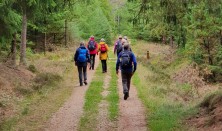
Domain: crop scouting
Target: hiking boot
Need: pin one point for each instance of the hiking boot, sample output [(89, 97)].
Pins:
[(85, 83), (81, 84), (126, 95)]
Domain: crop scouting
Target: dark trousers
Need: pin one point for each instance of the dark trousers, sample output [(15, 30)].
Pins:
[(82, 73), (117, 54), (104, 65), (126, 78), (92, 61)]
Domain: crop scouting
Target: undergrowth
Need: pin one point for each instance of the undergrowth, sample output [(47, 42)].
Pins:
[(45, 94)]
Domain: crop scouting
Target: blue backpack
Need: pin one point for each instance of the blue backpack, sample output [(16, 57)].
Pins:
[(91, 45), (125, 59), (82, 55)]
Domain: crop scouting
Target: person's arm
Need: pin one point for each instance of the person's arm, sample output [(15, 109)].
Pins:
[(87, 46), (87, 56), (114, 50), (134, 63), (117, 63), (107, 47), (98, 48)]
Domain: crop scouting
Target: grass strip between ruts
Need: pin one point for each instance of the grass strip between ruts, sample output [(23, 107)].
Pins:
[(92, 99), (113, 97)]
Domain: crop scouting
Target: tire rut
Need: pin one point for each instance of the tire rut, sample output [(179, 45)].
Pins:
[(131, 111), (68, 116), (104, 124)]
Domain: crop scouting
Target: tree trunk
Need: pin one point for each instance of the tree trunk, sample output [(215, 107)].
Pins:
[(164, 39), (45, 44), (171, 41), (220, 37), (0, 49), (65, 33), (13, 49), (23, 39), (210, 59)]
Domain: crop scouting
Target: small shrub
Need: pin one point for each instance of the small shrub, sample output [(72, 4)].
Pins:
[(53, 57), (29, 52), (32, 68), (2, 104), (23, 90), (186, 87), (25, 111), (46, 79), (211, 100)]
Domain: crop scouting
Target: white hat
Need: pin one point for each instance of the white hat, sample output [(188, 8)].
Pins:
[(102, 40)]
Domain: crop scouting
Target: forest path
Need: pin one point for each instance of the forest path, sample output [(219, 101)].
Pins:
[(68, 116), (131, 116)]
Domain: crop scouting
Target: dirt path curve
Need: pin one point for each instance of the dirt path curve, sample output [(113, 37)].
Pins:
[(68, 116), (131, 111)]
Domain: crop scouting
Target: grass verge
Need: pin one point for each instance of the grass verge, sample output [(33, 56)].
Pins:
[(47, 95), (165, 108), (163, 114)]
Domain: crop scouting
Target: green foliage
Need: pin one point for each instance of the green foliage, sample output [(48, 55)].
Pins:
[(94, 21), (194, 25), (218, 58)]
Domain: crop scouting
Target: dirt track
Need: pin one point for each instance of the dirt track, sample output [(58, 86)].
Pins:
[(131, 111)]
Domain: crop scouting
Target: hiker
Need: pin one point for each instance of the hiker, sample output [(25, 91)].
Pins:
[(92, 47), (81, 58), (125, 37), (103, 49), (127, 62), (118, 46)]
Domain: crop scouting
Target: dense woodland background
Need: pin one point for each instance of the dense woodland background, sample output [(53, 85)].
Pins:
[(180, 85), (194, 27)]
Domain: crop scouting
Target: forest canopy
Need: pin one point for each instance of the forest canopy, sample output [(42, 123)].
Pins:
[(192, 26)]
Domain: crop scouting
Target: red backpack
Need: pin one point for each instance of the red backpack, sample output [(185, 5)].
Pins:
[(103, 48)]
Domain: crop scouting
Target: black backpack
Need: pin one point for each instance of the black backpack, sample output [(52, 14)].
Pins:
[(119, 46), (91, 45), (125, 59)]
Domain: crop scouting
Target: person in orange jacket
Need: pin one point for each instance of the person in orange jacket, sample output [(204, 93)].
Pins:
[(103, 55)]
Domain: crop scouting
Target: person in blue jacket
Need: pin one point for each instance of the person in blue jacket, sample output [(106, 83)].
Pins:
[(127, 62), (81, 58)]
